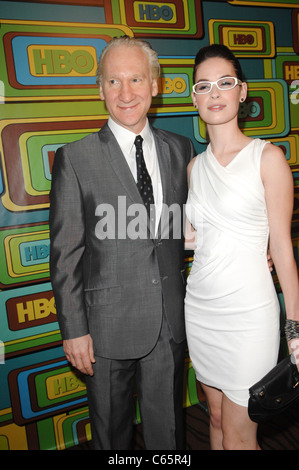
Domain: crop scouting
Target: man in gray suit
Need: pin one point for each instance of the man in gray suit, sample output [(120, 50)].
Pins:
[(119, 280)]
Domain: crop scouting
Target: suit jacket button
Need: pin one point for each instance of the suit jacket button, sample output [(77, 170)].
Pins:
[(155, 281)]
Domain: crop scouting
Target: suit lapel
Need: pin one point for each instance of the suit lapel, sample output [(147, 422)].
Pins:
[(164, 159), (119, 165), (163, 154), (123, 172)]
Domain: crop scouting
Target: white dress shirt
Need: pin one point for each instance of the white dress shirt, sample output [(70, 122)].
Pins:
[(125, 139)]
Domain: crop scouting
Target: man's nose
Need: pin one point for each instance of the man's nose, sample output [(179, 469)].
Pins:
[(126, 91)]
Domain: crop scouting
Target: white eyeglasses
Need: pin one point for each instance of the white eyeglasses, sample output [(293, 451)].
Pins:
[(225, 83)]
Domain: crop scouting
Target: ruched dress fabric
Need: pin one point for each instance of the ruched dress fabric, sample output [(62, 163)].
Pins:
[(231, 306)]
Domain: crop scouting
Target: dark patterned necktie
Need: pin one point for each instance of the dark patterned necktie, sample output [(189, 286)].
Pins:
[(144, 182)]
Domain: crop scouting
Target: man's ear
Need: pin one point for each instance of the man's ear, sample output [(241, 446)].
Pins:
[(155, 87), (101, 93)]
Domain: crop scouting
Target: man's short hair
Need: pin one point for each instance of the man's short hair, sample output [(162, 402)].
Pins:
[(130, 42)]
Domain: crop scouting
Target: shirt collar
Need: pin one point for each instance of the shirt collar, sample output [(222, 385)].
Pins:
[(126, 137)]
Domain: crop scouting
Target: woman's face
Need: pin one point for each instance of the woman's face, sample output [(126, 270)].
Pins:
[(218, 106)]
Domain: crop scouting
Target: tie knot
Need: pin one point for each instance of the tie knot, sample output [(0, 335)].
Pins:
[(138, 142)]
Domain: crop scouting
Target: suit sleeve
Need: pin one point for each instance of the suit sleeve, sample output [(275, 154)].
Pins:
[(67, 235), (193, 153)]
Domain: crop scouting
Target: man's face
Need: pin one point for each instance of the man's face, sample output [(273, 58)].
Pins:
[(127, 86)]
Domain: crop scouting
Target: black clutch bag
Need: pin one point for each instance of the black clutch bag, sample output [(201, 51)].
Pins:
[(275, 391)]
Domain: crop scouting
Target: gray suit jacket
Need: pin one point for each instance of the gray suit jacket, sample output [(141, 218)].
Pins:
[(115, 288)]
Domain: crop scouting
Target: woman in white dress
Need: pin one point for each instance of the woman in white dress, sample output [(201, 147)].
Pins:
[(240, 197)]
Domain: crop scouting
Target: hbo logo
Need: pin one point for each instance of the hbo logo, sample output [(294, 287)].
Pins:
[(155, 13)]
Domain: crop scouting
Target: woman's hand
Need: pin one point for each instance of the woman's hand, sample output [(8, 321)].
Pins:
[(294, 349)]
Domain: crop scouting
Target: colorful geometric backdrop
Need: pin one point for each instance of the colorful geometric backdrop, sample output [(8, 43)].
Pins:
[(48, 97)]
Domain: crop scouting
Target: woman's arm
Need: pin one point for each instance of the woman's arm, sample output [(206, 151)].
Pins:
[(279, 193)]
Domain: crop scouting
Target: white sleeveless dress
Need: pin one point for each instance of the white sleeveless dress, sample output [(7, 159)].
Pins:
[(231, 306)]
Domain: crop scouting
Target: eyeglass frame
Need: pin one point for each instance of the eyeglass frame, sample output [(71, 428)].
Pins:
[(237, 82)]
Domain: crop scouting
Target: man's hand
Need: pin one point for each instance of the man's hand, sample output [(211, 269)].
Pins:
[(79, 352)]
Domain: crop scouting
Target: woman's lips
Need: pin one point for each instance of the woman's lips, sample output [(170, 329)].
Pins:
[(216, 107)]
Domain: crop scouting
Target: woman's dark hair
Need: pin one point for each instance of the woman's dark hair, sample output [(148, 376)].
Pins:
[(217, 50)]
